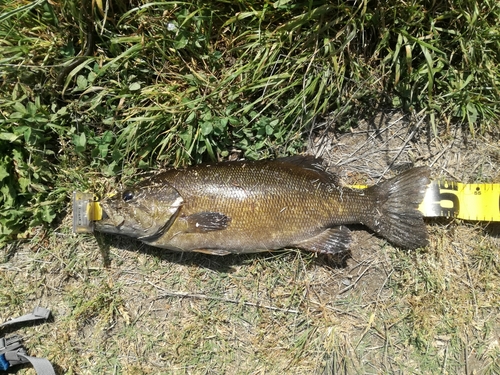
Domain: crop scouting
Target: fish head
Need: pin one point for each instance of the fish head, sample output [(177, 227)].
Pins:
[(140, 212)]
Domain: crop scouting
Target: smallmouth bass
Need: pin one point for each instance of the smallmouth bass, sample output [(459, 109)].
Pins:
[(253, 206)]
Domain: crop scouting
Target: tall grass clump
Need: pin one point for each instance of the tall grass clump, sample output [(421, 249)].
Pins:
[(443, 56), (110, 87)]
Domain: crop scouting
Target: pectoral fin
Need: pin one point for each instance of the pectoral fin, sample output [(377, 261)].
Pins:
[(203, 222), (331, 241)]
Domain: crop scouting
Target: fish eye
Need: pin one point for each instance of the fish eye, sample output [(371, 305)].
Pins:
[(127, 195)]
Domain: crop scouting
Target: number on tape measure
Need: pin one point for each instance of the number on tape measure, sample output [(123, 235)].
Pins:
[(464, 201)]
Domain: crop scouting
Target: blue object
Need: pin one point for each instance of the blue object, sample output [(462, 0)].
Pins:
[(12, 348), (4, 364)]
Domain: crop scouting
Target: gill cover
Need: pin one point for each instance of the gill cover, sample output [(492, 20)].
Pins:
[(142, 212)]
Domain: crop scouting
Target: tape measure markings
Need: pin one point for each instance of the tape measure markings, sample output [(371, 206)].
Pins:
[(478, 202)]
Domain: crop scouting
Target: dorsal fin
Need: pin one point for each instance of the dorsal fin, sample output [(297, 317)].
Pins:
[(311, 164), (304, 161)]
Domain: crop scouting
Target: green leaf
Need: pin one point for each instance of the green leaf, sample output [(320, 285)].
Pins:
[(3, 172), (430, 69), (25, 8), (207, 116), (81, 82), (109, 170), (206, 128), (143, 164), (31, 109), (9, 196), (181, 41), (117, 155), (472, 112), (103, 150), (191, 117), (80, 142), (210, 150), (16, 115), (27, 134), (91, 77), (9, 137), (107, 137), (134, 86), (48, 214), (62, 111), (19, 107), (24, 184)]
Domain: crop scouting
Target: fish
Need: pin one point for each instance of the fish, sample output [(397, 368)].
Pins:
[(255, 206)]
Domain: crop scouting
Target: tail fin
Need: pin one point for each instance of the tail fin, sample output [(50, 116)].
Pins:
[(396, 216)]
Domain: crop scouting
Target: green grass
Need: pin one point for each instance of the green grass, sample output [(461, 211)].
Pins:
[(178, 83)]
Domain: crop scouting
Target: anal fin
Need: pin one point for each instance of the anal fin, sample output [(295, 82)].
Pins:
[(331, 241), (219, 252)]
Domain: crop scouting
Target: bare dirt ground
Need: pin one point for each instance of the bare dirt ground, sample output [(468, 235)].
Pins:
[(122, 307)]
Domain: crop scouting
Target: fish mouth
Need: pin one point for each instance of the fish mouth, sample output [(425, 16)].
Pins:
[(108, 223)]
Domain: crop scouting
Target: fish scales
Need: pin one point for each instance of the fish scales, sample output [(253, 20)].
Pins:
[(240, 207)]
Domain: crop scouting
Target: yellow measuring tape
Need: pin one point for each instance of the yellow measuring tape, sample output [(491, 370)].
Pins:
[(479, 202)]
